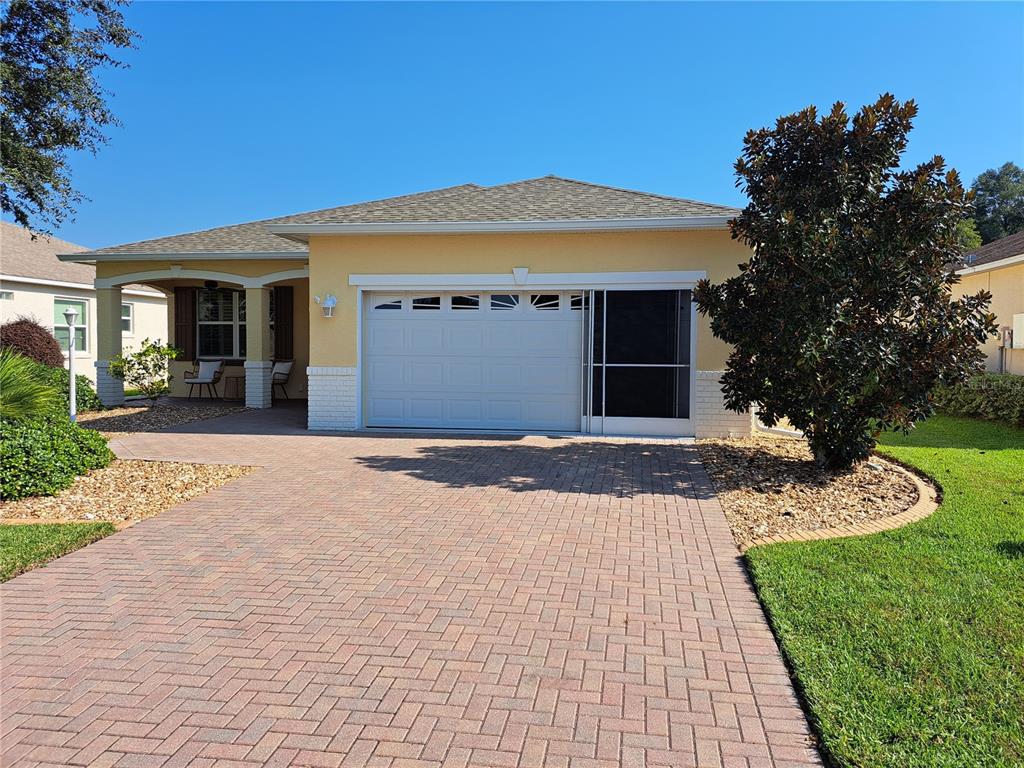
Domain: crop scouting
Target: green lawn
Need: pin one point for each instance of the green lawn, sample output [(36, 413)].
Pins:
[(909, 645), (26, 546)]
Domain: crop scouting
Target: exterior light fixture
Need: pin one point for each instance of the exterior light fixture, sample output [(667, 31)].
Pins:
[(327, 304), (71, 317)]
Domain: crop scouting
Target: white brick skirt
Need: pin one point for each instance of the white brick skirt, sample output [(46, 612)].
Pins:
[(333, 397), (333, 403), (712, 417), (109, 389)]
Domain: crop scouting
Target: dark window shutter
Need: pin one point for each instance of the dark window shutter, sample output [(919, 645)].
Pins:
[(284, 309), (185, 322)]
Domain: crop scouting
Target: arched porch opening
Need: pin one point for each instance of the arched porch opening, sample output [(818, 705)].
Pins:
[(247, 321)]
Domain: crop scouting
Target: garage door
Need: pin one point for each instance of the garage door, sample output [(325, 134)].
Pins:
[(509, 360)]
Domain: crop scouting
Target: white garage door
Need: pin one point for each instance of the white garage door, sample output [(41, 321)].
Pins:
[(472, 360)]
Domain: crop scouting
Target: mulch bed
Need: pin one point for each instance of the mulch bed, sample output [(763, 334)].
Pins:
[(769, 485), (124, 492), (151, 418)]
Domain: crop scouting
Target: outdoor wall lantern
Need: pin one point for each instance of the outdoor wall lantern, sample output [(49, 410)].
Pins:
[(71, 317), (327, 304)]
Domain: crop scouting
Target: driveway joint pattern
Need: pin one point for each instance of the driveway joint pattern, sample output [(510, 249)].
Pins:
[(403, 600)]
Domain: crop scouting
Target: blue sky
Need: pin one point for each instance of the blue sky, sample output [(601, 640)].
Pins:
[(239, 111)]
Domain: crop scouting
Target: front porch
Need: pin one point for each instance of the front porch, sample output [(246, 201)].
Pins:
[(244, 322)]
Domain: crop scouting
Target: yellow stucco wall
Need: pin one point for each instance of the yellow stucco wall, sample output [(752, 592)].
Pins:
[(334, 258), (1006, 285)]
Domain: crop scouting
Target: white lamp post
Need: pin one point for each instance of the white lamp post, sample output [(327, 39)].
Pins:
[(70, 316)]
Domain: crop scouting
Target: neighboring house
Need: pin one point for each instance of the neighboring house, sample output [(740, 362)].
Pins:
[(541, 305), (998, 268), (35, 283)]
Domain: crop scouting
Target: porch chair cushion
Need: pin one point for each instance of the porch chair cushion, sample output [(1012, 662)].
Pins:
[(209, 372), (281, 371)]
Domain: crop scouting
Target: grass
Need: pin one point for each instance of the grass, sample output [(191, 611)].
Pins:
[(23, 547), (908, 646)]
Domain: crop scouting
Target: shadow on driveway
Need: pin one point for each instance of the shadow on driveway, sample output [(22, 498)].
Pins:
[(624, 470)]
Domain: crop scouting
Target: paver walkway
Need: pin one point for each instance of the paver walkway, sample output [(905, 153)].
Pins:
[(403, 600)]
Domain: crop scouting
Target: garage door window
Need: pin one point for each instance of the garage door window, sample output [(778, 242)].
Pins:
[(388, 304), (504, 301), (466, 302), (545, 301), (426, 302)]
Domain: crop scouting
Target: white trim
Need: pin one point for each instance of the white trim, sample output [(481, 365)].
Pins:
[(639, 425), (63, 284), (360, 410), (998, 264), (87, 326), (130, 318), (301, 232), (176, 272), (589, 423), (88, 257), (668, 280)]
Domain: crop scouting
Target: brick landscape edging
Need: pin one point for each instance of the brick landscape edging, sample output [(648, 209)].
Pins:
[(927, 502)]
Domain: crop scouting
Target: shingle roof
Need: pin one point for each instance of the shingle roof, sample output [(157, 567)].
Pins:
[(253, 236), (1003, 248), (21, 256), (549, 198)]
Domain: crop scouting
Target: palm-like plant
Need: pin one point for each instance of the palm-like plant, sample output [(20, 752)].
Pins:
[(22, 394)]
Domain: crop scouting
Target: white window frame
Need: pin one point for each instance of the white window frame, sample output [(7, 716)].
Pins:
[(520, 296), (6, 295), (83, 322), (450, 302), (238, 327), (130, 318)]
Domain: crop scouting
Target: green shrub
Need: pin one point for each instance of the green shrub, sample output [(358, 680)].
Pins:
[(85, 395), (40, 457), (147, 370), (992, 396), (22, 394)]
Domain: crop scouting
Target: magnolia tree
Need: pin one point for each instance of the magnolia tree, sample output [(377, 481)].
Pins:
[(148, 369), (843, 320)]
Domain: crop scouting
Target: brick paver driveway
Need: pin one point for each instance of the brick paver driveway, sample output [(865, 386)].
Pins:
[(396, 600)]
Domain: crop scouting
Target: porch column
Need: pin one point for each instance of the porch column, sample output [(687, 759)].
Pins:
[(108, 345), (258, 392)]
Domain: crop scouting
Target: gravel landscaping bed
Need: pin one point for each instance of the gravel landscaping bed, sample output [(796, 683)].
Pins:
[(769, 485), (124, 492), (151, 418)]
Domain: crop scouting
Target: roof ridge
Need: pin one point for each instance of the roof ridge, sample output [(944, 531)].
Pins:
[(655, 195), (594, 185), (278, 219)]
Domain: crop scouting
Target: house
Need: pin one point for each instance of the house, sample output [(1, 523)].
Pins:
[(541, 305), (998, 268), (35, 283)]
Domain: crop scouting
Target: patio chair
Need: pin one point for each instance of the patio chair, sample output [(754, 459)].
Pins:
[(279, 376), (208, 374)]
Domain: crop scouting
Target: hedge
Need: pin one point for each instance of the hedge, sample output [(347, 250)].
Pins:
[(85, 395), (992, 396), (40, 457)]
